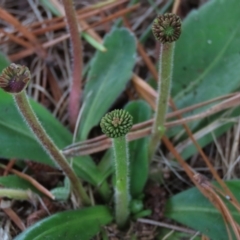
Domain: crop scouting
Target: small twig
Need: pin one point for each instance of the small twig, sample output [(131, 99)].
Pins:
[(166, 225), (35, 44), (15, 218), (143, 129), (31, 180)]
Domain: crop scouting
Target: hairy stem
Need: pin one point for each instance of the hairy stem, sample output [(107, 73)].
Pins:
[(15, 194), (28, 114), (164, 81), (122, 196), (76, 87)]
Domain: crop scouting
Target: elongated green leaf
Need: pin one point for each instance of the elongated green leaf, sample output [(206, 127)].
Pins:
[(194, 210), (106, 164), (138, 149), (108, 76), (86, 168), (62, 193), (17, 141), (49, 5), (73, 225), (207, 56)]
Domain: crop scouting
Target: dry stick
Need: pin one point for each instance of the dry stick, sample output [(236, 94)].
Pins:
[(230, 102), (12, 20), (37, 29), (166, 225), (206, 160), (27, 52), (9, 167), (224, 210), (76, 86), (113, 16), (31, 180), (176, 6), (16, 39), (144, 90), (101, 143), (14, 217), (205, 191), (60, 25)]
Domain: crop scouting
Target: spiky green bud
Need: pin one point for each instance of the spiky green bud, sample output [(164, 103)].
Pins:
[(14, 78), (116, 123), (167, 28)]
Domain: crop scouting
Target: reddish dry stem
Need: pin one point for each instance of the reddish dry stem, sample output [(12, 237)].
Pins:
[(76, 86)]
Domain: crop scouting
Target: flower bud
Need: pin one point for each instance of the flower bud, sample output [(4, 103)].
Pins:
[(116, 123), (167, 28), (14, 78)]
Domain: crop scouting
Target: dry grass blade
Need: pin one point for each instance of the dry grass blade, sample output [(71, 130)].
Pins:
[(145, 91), (113, 16), (14, 217), (16, 39), (57, 23), (26, 33), (86, 28), (166, 225), (205, 158), (9, 167), (219, 204), (101, 143)]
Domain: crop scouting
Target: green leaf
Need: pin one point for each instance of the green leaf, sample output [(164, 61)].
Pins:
[(17, 141), (50, 6), (106, 166), (62, 193), (107, 78), (86, 168), (92, 41), (207, 56), (138, 149), (191, 208), (77, 224), (15, 182)]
